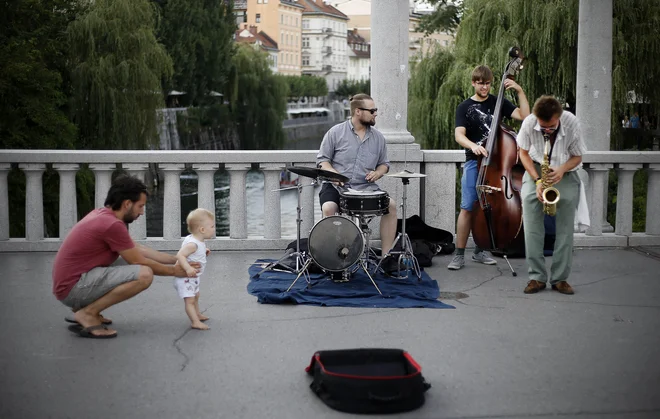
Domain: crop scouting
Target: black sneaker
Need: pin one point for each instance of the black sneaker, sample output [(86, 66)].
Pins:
[(389, 265)]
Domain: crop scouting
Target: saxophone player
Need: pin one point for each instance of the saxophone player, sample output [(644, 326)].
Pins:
[(550, 125)]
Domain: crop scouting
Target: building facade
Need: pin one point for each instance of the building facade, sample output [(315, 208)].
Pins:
[(324, 48), (281, 20), (261, 40), (359, 56)]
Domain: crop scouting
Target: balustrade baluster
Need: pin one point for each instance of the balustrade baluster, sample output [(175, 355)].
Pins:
[(172, 201), (307, 199), (272, 204), (4, 201), (624, 198), (439, 199), (138, 228), (206, 186), (102, 181), (34, 200), (597, 180), (653, 200), (237, 200), (68, 197)]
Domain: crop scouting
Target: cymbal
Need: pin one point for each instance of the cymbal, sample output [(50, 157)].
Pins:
[(318, 173), (406, 174)]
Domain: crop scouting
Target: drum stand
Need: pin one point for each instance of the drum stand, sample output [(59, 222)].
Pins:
[(302, 260), (405, 254), (364, 260)]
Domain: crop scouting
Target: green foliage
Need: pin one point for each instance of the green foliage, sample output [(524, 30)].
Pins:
[(32, 87), (446, 17), (258, 101), (304, 86), (207, 127), (117, 67), (347, 88), (547, 34), (198, 36)]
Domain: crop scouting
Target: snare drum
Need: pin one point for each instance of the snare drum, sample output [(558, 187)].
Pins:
[(335, 243), (364, 202)]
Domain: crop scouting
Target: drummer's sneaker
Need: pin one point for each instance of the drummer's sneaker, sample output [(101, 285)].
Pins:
[(457, 262), (483, 257)]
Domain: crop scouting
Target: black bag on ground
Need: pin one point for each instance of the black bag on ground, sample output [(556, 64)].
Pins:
[(304, 247), (368, 380)]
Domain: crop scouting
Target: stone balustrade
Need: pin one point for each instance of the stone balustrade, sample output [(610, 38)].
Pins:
[(432, 197)]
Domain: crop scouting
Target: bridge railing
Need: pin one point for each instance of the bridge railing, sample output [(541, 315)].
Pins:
[(433, 197)]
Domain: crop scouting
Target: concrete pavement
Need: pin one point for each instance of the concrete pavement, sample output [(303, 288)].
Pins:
[(499, 354)]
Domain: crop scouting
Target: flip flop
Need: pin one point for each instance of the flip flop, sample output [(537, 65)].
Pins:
[(103, 320), (86, 332)]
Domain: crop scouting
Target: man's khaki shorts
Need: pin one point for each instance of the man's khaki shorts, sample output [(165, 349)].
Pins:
[(98, 282)]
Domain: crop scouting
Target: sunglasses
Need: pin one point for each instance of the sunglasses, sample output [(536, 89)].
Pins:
[(372, 110)]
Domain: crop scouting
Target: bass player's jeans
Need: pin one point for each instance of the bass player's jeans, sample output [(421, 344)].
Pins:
[(562, 256)]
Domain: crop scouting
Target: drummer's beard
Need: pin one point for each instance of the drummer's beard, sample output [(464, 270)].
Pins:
[(369, 122)]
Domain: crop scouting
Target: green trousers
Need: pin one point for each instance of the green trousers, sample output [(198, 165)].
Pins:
[(562, 256)]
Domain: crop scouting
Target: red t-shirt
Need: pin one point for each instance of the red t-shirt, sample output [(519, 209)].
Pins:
[(95, 241)]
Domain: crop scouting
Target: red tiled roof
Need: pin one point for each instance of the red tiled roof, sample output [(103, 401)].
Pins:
[(265, 41), (319, 7)]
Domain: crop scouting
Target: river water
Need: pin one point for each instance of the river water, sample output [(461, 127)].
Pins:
[(255, 205)]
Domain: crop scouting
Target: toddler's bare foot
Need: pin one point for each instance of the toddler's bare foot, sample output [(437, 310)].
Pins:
[(202, 317), (199, 326)]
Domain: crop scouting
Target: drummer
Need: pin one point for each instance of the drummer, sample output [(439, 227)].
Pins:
[(358, 151)]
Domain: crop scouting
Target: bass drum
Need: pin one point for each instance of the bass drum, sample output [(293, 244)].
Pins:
[(335, 243)]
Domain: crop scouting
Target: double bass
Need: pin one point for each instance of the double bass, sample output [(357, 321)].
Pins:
[(497, 219)]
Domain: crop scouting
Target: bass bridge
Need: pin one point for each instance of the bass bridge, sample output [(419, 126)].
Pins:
[(488, 189)]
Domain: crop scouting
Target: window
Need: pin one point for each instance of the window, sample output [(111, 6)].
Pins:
[(305, 42), (305, 61), (282, 19), (305, 23), (282, 38), (296, 22), (259, 1), (258, 18)]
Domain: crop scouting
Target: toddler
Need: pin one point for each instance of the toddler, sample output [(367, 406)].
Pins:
[(201, 225)]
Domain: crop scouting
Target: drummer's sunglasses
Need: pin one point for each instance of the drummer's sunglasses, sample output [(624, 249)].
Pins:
[(373, 110)]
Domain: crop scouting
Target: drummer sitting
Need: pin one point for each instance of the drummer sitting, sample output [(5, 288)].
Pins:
[(358, 151)]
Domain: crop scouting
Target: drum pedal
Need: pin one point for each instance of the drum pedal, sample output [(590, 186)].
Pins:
[(342, 276)]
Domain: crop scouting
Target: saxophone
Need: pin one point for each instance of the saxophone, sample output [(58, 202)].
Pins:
[(550, 193)]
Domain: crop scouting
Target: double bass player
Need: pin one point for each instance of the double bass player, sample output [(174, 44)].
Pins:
[(473, 122)]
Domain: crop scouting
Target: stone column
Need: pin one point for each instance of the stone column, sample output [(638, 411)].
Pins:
[(172, 200), (138, 228), (103, 180), (34, 200), (389, 61), (237, 200), (598, 181), (272, 203), (624, 198), (4, 201), (653, 200), (206, 186), (594, 77), (68, 198)]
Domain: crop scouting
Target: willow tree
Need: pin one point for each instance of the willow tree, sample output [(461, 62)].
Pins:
[(547, 34), (198, 37), (257, 100), (116, 67)]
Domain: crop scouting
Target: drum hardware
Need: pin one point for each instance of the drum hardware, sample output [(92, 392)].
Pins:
[(302, 259), (405, 254), (318, 174)]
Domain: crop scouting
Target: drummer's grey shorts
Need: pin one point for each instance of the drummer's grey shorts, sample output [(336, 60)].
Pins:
[(98, 282)]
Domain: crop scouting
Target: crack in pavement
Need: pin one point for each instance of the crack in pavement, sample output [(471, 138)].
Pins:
[(186, 358), (488, 280), (476, 305), (600, 280)]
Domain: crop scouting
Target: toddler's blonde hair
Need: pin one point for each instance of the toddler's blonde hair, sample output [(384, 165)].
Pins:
[(196, 216)]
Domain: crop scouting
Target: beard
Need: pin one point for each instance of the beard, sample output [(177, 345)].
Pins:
[(370, 122), (128, 218)]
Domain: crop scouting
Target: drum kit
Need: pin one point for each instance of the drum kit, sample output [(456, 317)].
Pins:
[(339, 244)]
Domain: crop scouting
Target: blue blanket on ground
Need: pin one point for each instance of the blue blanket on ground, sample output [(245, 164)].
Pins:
[(270, 288)]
